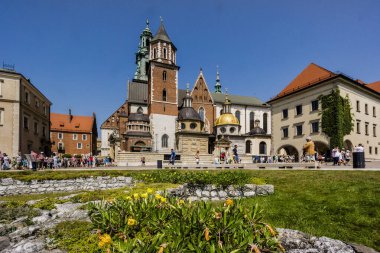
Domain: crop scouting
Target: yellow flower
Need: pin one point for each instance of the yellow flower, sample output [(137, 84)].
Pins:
[(181, 202), (144, 195), (163, 200), (158, 196), (150, 190), (207, 234), (136, 195), (218, 215), (104, 240), (128, 198), (229, 202), (131, 222)]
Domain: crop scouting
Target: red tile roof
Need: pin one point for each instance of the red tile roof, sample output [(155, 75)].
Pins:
[(374, 86), (62, 122), (312, 74)]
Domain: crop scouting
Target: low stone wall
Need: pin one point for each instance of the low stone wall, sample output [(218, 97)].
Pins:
[(9, 186), (214, 193)]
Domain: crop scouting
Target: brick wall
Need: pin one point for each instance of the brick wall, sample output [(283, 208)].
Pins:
[(70, 145)]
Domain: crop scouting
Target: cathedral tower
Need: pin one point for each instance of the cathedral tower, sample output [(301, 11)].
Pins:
[(142, 55), (163, 89)]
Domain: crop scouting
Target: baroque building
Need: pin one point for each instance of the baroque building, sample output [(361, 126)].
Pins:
[(158, 116)]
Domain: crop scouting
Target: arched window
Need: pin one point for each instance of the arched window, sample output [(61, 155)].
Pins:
[(164, 75), (164, 141), (248, 147), (251, 120), (202, 113), (164, 95), (154, 53), (263, 148), (221, 111), (265, 122), (237, 115), (164, 53)]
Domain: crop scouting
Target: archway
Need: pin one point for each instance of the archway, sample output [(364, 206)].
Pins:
[(321, 147), (289, 150), (262, 148), (248, 147), (348, 145), (140, 144)]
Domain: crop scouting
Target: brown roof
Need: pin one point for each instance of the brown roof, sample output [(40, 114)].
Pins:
[(62, 122), (374, 86), (122, 111), (312, 74)]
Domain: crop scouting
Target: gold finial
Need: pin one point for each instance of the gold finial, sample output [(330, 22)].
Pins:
[(187, 86), (147, 22)]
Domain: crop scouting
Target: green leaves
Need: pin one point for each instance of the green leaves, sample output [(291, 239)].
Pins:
[(181, 226)]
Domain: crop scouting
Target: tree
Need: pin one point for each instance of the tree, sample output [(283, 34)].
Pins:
[(337, 120)]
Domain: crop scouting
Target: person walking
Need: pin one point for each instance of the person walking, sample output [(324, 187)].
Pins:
[(172, 157), (309, 149), (197, 157), (5, 165), (235, 153), (336, 155)]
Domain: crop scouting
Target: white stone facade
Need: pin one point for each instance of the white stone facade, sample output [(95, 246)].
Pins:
[(163, 125)]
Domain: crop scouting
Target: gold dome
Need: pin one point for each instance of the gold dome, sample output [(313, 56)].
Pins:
[(227, 119)]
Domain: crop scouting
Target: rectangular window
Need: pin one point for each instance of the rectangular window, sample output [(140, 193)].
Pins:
[(285, 113), (314, 105), (375, 150), (79, 145), (374, 130), (1, 116), (298, 130), (45, 111), (315, 127), (366, 128), (43, 131), (26, 97), (37, 102), (75, 137), (60, 146), (60, 136), (1, 87), (357, 105), (84, 137), (370, 150), (285, 132), (26, 122), (374, 111), (366, 109), (298, 109), (35, 128), (358, 126)]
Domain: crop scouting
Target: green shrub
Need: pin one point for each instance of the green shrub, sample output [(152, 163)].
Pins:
[(152, 223), (75, 237), (67, 156)]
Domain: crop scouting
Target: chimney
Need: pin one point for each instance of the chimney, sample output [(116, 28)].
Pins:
[(70, 116)]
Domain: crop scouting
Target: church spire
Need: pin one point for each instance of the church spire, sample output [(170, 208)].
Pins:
[(187, 100), (227, 104), (218, 85), (142, 55)]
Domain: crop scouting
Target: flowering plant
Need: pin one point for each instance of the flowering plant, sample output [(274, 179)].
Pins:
[(156, 223)]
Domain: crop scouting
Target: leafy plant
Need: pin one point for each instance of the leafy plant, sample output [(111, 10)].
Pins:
[(153, 223)]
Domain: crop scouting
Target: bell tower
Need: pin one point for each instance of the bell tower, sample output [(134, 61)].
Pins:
[(163, 89)]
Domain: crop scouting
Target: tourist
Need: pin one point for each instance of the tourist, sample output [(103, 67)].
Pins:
[(336, 155), (19, 161), (197, 157), (33, 156), (309, 149), (5, 164), (360, 148), (142, 161), (172, 157), (235, 153), (347, 156)]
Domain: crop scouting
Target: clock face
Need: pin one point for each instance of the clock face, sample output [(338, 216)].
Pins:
[(223, 130)]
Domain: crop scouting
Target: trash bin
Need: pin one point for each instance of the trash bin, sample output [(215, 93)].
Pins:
[(159, 164), (358, 160)]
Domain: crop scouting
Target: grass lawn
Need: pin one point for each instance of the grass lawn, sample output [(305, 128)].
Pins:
[(344, 205)]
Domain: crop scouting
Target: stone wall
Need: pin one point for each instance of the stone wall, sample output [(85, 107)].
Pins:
[(9, 186), (214, 193)]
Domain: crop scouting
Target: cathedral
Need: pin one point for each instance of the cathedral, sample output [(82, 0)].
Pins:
[(158, 116)]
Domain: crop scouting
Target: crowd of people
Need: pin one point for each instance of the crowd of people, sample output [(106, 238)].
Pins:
[(40, 161)]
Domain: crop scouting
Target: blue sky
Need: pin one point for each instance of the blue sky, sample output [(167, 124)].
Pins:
[(80, 53)]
